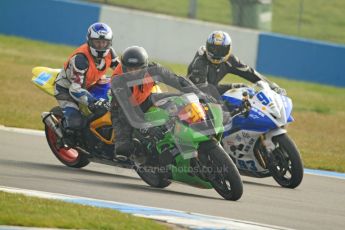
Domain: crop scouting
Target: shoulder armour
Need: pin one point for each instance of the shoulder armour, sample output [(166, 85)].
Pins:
[(153, 64), (80, 62), (202, 50)]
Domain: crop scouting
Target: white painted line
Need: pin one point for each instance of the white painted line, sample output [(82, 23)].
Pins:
[(185, 219), (21, 130)]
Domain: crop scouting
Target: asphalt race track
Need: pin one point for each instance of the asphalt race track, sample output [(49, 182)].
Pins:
[(318, 203)]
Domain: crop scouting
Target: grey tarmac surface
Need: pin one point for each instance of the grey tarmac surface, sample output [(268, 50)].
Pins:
[(318, 203)]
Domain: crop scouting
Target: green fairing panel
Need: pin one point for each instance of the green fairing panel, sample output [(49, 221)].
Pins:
[(182, 173), (187, 139), (157, 116), (185, 134), (217, 113), (167, 141)]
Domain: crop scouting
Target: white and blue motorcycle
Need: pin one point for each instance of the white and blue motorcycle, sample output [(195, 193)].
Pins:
[(257, 141)]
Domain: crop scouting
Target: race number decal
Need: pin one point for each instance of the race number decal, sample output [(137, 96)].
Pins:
[(262, 97)]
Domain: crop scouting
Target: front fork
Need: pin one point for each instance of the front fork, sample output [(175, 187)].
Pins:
[(267, 138), (268, 146)]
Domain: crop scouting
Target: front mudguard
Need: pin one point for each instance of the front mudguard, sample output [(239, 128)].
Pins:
[(267, 140)]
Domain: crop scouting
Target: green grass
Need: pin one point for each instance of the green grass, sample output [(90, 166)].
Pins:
[(320, 19), (319, 110), (21, 103), (206, 9), (20, 210)]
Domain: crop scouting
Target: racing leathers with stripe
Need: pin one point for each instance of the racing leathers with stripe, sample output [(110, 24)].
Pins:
[(204, 74), (81, 71)]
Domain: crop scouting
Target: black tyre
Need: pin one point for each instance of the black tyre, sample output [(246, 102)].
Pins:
[(152, 177), (286, 164), (149, 171), (69, 157), (221, 171)]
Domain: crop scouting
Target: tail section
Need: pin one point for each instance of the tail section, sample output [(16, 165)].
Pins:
[(44, 78)]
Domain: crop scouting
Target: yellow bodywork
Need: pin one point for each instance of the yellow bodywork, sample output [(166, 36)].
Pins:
[(105, 120), (44, 78)]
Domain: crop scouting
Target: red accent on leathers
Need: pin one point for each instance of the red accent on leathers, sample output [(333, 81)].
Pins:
[(93, 74)]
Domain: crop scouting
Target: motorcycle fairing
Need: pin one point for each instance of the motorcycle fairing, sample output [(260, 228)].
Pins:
[(239, 145), (44, 78), (101, 89), (288, 108), (171, 107), (103, 122), (272, 109)]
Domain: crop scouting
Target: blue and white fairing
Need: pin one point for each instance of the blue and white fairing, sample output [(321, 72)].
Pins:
[(269, 110), (268, 115)]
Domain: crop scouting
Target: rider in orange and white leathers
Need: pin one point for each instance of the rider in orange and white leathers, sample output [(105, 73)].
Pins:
[(84, 67)]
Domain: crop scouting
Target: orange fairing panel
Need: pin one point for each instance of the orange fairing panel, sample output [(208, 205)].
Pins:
[(105, 120)]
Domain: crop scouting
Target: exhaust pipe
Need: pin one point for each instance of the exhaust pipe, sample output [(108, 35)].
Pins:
[(49, 119)]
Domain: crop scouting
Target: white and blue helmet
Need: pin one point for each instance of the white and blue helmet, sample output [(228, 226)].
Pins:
[(218, 47), (99, 38)]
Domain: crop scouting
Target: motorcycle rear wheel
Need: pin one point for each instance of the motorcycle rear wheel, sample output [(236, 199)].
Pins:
[(287, 168), (150, 173), (224, 177), (69, 157)]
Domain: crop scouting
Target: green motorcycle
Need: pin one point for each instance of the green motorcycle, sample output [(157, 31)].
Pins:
[(187, 148)]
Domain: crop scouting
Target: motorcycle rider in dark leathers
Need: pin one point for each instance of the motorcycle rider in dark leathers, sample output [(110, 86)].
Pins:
[(213, 61)]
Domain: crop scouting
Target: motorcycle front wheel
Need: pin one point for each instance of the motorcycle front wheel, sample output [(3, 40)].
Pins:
[(222, 172), (286, 165), (68, 156)]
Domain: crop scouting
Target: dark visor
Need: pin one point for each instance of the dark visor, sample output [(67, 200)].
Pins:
[(217, 51)]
